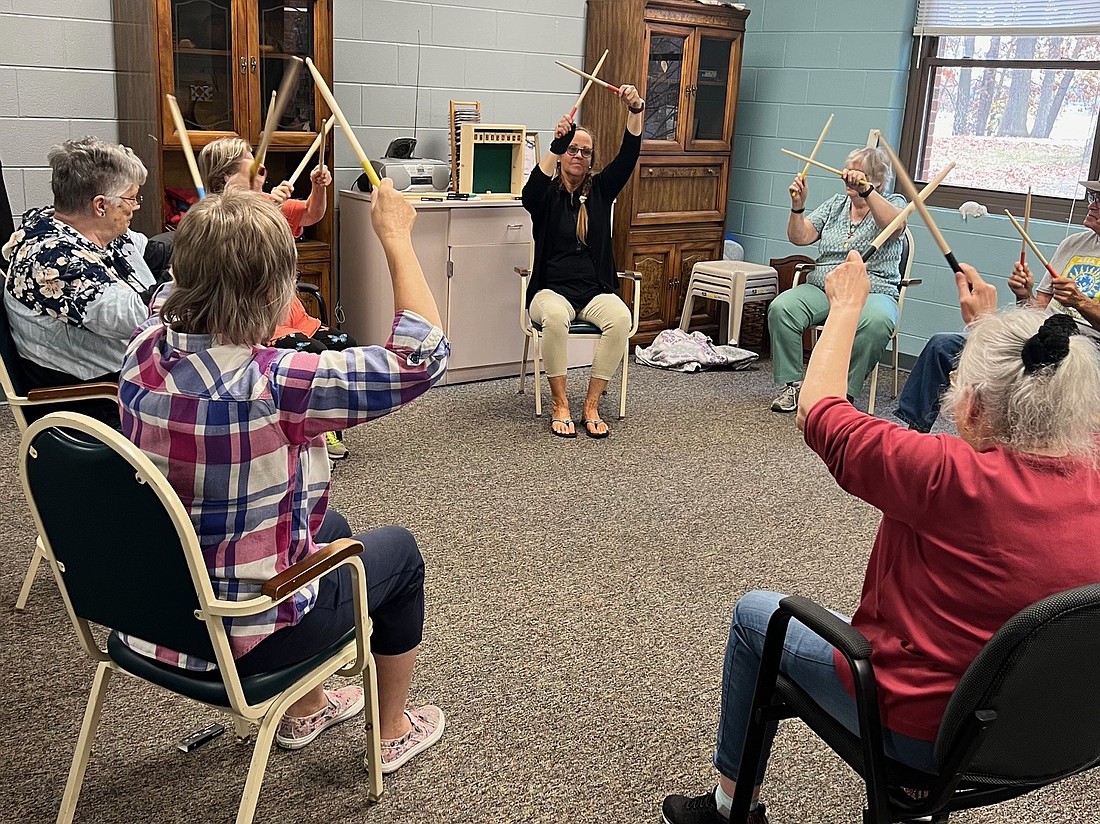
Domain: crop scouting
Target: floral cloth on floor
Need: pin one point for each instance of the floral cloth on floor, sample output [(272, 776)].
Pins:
[(684, 352)]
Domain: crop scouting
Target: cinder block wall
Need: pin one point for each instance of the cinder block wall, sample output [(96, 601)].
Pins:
[(500, 52), (56, 82)]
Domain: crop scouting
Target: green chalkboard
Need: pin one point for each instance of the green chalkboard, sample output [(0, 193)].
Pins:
[(492, 168)]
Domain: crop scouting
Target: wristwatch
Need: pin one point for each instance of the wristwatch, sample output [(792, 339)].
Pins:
[(638, 110), (866, 193)]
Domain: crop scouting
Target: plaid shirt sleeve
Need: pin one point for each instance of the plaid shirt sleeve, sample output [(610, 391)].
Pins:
[(318, 393)]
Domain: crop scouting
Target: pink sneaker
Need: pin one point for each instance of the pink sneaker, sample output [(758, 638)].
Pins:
[(295, 733), (427, 728)]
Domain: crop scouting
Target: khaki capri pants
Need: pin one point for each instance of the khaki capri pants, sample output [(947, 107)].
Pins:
[(554, 314)]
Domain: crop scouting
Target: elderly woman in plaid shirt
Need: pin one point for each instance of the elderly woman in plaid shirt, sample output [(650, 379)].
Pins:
[(238, 430)]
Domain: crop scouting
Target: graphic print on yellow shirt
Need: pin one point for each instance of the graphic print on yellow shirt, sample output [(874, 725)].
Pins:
[(1083, 270)]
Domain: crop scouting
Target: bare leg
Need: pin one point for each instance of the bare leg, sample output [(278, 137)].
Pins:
[(560, 401), (394, 676), (596, 386)]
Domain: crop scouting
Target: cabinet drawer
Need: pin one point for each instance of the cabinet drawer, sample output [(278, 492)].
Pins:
[(672, 190), (473, 226)]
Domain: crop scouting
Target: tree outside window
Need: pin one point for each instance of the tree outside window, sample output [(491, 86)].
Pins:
[(1011, 111)]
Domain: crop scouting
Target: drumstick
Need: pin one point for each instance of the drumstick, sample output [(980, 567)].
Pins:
[(326, 93), (820, 140), (587, 86), (588, 76), (258, 158), (1027, 223), (893, 225), (910, 191), (318, 142), (810, 161), (1031, 243), (275, 111), (185, 142)]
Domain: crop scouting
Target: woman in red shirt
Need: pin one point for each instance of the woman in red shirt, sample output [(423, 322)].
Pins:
[(974, 528)]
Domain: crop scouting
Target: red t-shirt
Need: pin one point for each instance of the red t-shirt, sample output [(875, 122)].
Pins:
[(967, 540)]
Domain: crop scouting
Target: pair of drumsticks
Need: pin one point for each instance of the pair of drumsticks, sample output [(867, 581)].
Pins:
[(275, 110)]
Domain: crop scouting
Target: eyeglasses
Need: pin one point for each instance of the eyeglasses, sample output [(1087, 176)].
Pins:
[(1091, 197), (583, 151), (136, 199)]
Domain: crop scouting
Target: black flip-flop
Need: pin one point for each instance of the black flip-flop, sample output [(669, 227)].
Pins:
[(595, 422), (567, 422)]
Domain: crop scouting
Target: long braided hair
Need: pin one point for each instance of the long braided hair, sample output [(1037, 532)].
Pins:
[(582, 191)]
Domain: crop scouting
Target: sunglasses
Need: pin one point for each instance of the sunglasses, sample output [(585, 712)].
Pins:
[(1091, 197)]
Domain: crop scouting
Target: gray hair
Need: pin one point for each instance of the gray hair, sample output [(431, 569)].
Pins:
[(875, 164), (1055, 408), (88, 167), (234, 266)]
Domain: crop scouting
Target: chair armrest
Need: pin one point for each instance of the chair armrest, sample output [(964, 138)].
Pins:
[(634, 276), (911, 282), (311, 568), (799, 270), (522, 271), (312, 288), (74, 392), (837, 632)]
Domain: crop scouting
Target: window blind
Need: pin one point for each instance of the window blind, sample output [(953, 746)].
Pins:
[(1007, 17)]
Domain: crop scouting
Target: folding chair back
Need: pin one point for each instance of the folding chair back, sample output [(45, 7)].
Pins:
[(117, 532)]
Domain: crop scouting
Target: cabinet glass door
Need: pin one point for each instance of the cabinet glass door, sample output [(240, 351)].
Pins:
[(286, 30), (665, 73), (711, 92), (204, 76)]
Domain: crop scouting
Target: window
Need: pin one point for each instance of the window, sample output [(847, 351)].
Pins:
[(1014, 103)]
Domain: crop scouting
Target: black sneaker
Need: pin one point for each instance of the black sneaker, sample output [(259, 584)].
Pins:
[(702, 809)]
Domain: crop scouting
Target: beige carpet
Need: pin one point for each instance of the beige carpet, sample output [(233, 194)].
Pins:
[(579, 597)]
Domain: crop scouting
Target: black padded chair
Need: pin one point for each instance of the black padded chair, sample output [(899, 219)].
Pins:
[(126, 557), (28, 404), (1023, 715)]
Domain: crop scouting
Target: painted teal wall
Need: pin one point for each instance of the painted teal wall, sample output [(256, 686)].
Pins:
[(805, 59)]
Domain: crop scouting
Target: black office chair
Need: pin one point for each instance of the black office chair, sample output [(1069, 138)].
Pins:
[(126, 557), (1023, 715)]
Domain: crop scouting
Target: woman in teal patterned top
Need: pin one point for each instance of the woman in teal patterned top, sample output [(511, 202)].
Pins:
[(843, 222)]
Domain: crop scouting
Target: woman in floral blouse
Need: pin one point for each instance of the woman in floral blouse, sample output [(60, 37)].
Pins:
[(77, 286)]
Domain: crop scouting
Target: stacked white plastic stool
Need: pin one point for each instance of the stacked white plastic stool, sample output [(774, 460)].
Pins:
[(733, 281)]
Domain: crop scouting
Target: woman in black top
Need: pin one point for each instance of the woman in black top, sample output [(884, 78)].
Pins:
[(574, 275)]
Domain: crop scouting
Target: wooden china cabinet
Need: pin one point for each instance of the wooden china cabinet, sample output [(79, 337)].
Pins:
[(685, 59), (222, 59)]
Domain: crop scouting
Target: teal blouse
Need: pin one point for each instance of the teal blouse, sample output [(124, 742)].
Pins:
[(839, 236)]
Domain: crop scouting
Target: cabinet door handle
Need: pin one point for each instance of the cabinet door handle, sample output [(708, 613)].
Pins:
[(244, 65), (253, 65)]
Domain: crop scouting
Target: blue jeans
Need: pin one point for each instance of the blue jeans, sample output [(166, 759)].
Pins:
[(808, 660), (919, 401)]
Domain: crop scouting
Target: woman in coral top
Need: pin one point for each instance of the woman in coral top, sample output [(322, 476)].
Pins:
[(228, 162)]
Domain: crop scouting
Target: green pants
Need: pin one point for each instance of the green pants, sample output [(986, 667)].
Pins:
[(797, 309)]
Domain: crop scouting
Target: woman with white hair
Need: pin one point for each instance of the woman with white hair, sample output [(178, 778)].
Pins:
[(77, 286), (842, 223), (974, 528)]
